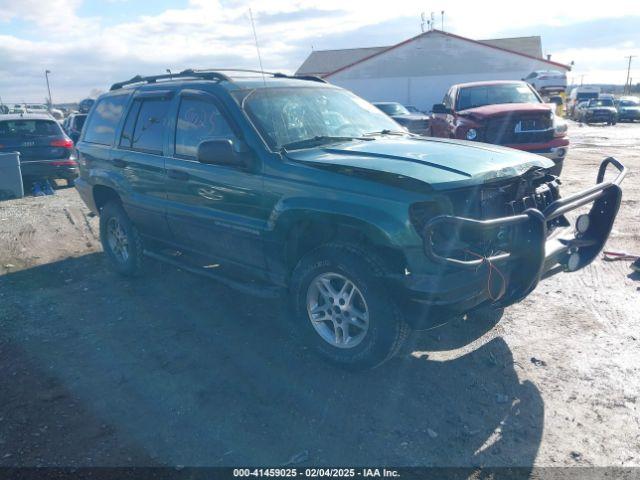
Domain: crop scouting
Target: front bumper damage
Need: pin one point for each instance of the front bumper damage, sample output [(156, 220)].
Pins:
[(533, 252)]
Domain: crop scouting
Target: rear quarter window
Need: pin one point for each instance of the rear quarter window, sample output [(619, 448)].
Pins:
[(104, 119)]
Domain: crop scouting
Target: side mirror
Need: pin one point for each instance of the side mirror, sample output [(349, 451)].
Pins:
[(440, 108), (220, 152)]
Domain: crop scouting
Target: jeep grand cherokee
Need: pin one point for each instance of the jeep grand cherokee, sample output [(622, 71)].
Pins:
[(296, 188)]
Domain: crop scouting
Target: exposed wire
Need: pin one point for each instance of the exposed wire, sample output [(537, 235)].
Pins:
[(491, 269)]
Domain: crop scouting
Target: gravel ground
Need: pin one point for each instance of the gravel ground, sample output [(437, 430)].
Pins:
[(174, 369)]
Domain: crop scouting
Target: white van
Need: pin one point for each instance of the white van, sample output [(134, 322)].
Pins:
[(580, 94)]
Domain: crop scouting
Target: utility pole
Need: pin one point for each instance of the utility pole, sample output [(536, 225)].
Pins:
[(442, 20), (46, 75), (627, 85)]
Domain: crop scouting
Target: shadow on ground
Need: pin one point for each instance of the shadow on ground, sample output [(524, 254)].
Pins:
[(175, 369)]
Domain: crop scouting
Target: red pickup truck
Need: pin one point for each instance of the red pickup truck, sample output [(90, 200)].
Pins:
[(509, 113)]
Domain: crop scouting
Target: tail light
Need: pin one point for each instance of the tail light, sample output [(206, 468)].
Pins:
[(62, 142)]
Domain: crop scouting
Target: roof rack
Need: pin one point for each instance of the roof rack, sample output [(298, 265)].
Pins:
[(205, 75), (213, 74), (311, 78)]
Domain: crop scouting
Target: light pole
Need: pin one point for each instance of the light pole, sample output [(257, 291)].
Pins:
[(627, 85), (46, 75)]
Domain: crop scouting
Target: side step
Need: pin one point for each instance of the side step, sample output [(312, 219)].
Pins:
[(252, 288)]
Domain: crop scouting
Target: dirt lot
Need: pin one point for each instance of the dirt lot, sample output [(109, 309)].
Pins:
[(173, 369)]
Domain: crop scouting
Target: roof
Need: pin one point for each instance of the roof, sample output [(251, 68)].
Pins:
[(26, 116), (325, 61), (328, 62), (531, 46), (491, 82)]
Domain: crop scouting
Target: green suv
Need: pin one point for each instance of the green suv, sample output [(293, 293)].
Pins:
[(294, 188)]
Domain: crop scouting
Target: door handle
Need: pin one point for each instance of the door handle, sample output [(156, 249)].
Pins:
[(118, 162), (178, 175)]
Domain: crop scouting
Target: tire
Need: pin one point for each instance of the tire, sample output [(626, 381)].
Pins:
[(118, 234), (367, 344)]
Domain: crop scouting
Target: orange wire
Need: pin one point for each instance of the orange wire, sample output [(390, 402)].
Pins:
[(492, 267)]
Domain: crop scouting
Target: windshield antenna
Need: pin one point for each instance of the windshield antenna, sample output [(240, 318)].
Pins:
[(255, 38), (264, 81)]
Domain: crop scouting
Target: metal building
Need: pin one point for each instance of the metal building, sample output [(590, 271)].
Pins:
[(420, 70)]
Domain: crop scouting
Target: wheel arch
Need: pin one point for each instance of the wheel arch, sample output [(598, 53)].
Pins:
[(304, 231), (103, 194)]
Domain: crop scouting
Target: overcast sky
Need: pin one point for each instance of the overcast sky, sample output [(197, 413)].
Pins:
[(89, 44)]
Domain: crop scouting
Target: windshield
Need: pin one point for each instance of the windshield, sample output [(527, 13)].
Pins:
[(587, 95), (289, 115), (392, 108), (629, 103), (472, 97), (603, 102)]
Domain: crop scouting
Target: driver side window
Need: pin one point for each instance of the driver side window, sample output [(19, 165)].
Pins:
[(199, 119)]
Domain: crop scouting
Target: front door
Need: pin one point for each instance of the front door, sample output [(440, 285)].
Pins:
[(215, 210)]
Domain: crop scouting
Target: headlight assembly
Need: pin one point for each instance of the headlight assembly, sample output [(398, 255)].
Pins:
[(472, 134)]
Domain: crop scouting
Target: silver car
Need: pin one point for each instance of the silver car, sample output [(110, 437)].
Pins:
[(547, 81)]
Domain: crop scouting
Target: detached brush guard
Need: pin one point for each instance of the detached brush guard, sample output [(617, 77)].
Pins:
[(533, 254)]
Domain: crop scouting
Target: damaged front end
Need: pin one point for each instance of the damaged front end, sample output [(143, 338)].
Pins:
[(520, 231)]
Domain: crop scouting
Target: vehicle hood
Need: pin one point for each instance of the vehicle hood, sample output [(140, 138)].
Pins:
[(414, 117), (487, 111), (631, 109), (440, 163)]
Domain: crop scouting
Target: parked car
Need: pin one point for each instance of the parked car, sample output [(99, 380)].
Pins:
[(598, 110), (36, 108), (580, 94), (578, 112), (628, 108), (366, 229), (45, 151), (414, 110), (73, 125), (57, 114), (547, 81), (85, 105), (415, 123), (509, 113)]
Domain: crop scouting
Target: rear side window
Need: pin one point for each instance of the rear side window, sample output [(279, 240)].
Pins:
[(145, 125), (29, 128), (101, 127), (78, 122), (198, 120)]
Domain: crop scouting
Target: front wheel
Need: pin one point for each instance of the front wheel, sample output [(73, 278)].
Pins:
[(120, 239), (342, 308)]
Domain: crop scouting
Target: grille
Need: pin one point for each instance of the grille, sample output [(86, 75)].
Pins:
[(519, 129)]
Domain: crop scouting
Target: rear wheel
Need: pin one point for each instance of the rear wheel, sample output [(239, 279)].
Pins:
[(120, 239), (342, 308)]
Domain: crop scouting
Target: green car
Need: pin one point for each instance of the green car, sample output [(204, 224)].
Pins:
[(294, 188)]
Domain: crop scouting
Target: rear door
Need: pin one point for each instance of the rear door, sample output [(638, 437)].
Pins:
[(216, 210), (139, 159)]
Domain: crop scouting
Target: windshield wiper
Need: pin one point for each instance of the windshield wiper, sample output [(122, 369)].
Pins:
[(386, 132), (318, 140)]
